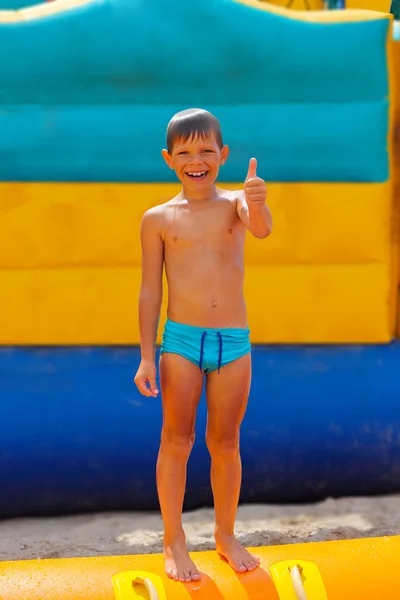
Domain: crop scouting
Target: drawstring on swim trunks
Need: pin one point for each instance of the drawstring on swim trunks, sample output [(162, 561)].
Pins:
[(202, 351), (220, 351)]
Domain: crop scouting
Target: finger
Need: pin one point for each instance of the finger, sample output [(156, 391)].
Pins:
[(254, 182), (153, 386), (252, 169), (254, 191), (142, 387), (255, 198)]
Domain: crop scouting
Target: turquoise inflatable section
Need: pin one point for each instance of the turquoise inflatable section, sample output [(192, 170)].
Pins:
[(17, 4), (86, 94)]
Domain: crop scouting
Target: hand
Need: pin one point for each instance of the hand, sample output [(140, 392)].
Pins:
[(254, 187), (145, 379)]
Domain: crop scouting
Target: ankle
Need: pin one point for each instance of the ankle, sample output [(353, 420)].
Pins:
[(175, 536), (223, 532)]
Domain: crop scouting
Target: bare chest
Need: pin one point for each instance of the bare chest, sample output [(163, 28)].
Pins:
[(199, 229)]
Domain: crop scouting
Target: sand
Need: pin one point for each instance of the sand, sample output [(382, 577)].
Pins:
[(141, 533)]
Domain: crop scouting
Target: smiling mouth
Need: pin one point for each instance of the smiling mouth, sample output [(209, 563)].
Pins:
[(196, 175)]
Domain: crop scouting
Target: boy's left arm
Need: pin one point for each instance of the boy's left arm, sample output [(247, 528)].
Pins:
[(251, 205)]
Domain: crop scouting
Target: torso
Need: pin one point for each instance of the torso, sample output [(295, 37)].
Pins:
[(204, 262)]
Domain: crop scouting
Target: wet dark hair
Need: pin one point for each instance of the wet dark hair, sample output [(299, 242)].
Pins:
[(190, 123)]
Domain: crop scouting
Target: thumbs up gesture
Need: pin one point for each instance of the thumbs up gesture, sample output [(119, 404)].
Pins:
[(254, 187)]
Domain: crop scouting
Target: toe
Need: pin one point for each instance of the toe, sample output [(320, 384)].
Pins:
[(240, 567), (196, 576), (172, 574), (252, 562)]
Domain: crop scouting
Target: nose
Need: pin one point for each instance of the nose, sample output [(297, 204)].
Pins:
[(195, 159)]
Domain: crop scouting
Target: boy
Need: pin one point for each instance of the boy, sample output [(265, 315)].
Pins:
[(200, 237)]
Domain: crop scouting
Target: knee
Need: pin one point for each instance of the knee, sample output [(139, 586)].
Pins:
[(177, 444), (222, 445)]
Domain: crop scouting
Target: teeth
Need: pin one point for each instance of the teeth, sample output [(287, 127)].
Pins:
[(197, 174)]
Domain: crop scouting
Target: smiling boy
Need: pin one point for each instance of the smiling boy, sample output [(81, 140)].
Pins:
[(199, 237)]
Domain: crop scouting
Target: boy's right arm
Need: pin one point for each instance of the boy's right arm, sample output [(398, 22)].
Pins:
[(150, 299)]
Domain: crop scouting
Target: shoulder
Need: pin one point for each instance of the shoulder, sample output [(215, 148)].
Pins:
[(156, 215), (234, 196), (238, 200), (151, 222), (155, 221), (153, 214)]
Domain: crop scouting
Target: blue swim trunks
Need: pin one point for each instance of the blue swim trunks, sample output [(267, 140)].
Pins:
[(209, 348)]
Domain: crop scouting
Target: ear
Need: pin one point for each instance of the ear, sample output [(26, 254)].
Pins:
[(224, 155), (167, 157)]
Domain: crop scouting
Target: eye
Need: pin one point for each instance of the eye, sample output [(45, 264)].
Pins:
[(208, 150)]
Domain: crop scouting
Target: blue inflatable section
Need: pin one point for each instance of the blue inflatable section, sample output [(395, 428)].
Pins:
[(86, 94), (75, 434)]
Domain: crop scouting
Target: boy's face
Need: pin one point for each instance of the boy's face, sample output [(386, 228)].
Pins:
[(196, 162)]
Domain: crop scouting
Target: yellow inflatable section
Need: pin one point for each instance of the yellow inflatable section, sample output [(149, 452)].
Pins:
[(298, 4), (377, 5), (353, 13), (70, 263), (365, 569)]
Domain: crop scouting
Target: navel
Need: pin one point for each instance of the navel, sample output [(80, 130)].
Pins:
[(214, 304), (175, 238), (230, 230)]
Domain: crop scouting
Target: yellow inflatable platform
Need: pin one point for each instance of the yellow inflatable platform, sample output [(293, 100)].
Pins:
[(364, 569)]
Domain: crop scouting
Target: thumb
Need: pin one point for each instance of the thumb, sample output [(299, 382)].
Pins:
[(252, 169)]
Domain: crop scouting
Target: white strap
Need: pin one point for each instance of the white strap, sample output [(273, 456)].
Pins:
[(298, 584), (149, 586)]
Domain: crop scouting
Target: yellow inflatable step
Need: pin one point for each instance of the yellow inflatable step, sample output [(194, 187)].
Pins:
[(298, 580), (134, 585)]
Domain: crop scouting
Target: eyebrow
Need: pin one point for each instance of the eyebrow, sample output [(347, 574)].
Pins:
[(184, 147)]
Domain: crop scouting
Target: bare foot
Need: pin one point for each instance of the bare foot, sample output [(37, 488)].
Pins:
[(178, 564), (238, 557)]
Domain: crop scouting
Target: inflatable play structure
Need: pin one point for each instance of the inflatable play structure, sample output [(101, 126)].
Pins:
[(326, 571), (311, 95), (86, 92)]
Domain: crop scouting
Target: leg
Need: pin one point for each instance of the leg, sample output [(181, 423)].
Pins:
[(181, 385), (227, 395)]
